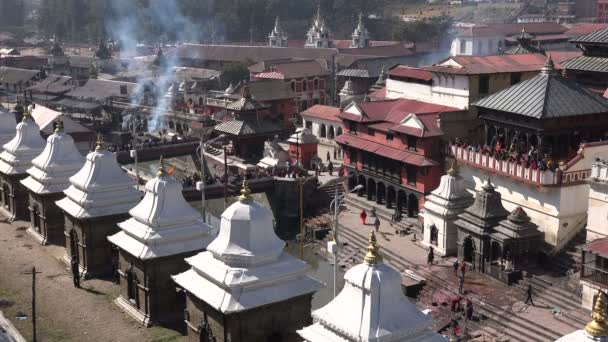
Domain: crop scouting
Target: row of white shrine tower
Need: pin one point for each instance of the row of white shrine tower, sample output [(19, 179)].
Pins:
[(235, 283)]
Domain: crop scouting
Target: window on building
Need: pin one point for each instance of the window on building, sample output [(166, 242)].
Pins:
[(411, 142), (315, 101), (480, 48), (371, 131), (352, 127), (463, 46), (304, 85), (411, 174), (515, 77), (293, 85), (352, 154), (484, 84), (389, 137), (304, 105), (315, 84), (500, 44)]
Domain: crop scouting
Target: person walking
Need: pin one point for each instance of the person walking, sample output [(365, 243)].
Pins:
[(455, 265), (330, 167), (529, 295), (468, 309), (328, 156), (461, 286), (74, 264), (431, 256), (377, 224), (363, 216), (463, 269)]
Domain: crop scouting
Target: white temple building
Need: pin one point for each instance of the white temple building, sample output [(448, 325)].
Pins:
[(48, 178), (100, 195), (360, 35), (318, 34), (371, 307), (14, 161), (278, 37), (597, 329), (7, 126), (597, 214), (441, 210), (245, 286), (162, 231)]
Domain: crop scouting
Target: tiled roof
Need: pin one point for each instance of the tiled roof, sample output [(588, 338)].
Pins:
[(53, 84), (587, 63), (323, 112), (596, 37), (473, 65), (394, 110), (291, 69), (547, 95), (379, 94), (510, 29), (584, 28), (236, 53), (410, 72), (247, 127), (102, 89), (407, 157), (16, 75), (375, 65)]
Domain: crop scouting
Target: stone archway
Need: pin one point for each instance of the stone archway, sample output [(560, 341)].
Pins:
[(401, 202), (339, 131), (412, 206), (352, 180), (495, 251), (380, 193), (434, 235), (323, 131), (390, 196), (331, 132), (468, 249), (371, 189)]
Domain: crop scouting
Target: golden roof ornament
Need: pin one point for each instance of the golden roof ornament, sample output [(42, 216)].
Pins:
[(161, 168), (99, 144), (245, 193), (27, 114), (598, 327), (372, 257), (58, 125)]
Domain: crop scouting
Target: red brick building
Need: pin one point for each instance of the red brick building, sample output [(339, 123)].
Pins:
[(393, 148), (308, 79)]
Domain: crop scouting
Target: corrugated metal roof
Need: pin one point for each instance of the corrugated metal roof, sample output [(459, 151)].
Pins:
[(16, 75), (267, 90), (407, 157), (354, 73), (597, 37), (247, 127), (323, 112), (587, 63), (410, 72), (473, 65), (546, 96)]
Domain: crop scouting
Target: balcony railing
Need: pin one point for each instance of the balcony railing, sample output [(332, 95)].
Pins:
[(594, 274)]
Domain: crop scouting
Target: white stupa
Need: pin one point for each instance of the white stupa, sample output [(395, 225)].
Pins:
[(245, 267), (597, 329), (163, 223), (51, 170), (25, 146), (7, 126), (370, 308), (441, 210), (100, 188)]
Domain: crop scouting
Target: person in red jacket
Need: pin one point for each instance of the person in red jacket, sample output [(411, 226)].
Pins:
[(363, 216)]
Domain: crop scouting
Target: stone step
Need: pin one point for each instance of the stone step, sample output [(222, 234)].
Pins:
[(499, 314), (559, 292), (382, 213)]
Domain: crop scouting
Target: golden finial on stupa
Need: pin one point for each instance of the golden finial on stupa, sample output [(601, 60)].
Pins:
[(453, 168), (99, 144), (372, 256), (161, 168), (598, 327), (27, 114), (58, 125), (523, 29), (245, 193)]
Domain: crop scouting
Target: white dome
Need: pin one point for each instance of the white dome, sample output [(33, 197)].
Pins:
[(100, 188), (163, 223), (25, 146), (52, 169), (247, 235)]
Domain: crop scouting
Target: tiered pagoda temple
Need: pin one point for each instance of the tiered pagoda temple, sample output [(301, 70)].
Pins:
[(245, 287), (100, 196), (49, 177), (370, 307), (162, 231), (441, 210), (14, 161)]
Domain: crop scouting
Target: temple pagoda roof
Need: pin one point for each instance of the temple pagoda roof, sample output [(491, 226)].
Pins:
[(548, 95), (247, 126), (596, 37)]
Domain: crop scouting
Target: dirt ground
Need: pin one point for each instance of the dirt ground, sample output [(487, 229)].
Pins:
[(64, 312)]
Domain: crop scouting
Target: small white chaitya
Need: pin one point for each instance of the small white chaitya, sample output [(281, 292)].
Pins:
[(597, 329), (245, 287), (48, 178), (162, 231), (7, 126), (14, 161), (100, 195), (370, 307), (441, 210)]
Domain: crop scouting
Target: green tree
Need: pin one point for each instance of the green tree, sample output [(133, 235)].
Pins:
[(236, 72)]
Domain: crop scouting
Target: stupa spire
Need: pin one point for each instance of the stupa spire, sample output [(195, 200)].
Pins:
[(99, 145), (373, 256), (598, 327), (161, 168), (245, 193)]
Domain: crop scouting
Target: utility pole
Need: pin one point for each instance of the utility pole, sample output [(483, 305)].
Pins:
[(226, 178), (33, 273), (301, 186)]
